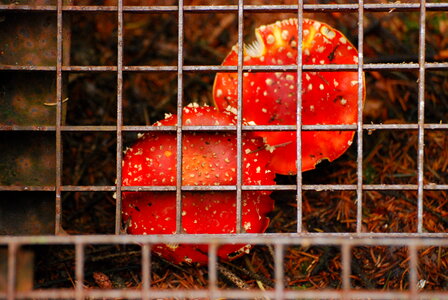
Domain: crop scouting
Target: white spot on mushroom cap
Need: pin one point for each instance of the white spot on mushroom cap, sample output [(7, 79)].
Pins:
[(285, 34), (342, 40), (219, 93), (321, 86), (270, 39), (328, 32), (269, 81)]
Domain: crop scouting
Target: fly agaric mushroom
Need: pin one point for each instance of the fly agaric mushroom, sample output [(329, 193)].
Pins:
[(202, 212), (271, 98), (207, 159)]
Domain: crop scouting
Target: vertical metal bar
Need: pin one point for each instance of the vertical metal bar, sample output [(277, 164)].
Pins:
[(212, 269), (299, 114), (239, 118), (360, 109), (278, 269), (421, 115), (180, 92), (58, 183), (346, 267), (413, 270), (146, 271), (11, 281), (119, 115), (79, 271)]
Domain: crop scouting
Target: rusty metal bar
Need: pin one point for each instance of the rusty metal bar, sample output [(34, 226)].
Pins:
[(146, 271), (233, 294), (278, 271), (180, 94), (246, 68), (79, 271), (212, 270), (421, 115), (239, 120), (59, 162), (186, 188), (307, 8), (413, 270), (299, 197), (132, 128), (346, 268), (304, 238), (12, 263), (119, 148), (359, 141)]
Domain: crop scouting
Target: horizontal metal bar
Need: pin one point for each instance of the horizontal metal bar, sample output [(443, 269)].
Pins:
[(306, 187), (212, 68), (131, 128), (308, 238), (374, 7), (247, 68), (227, 293)]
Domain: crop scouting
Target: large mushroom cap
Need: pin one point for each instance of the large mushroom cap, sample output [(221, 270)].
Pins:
[(271, 98), (202, 212), (209, 158)]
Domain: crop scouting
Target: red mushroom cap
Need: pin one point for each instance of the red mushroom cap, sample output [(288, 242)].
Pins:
[(202, 212), (208, 158), (271, 98)]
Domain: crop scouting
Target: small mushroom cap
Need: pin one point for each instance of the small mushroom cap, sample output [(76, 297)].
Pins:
[(271, 98), (202, 212)]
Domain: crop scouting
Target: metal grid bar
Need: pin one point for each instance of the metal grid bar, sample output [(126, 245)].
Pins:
[(346, 269), (146, 271), (119, 116), (79, 271), (161, 188), (107, 128), (12, 262), (180, 93), (421, 115), (299, 118), (279, 272), (233, 294), (239, 119), (412, 240), (307, 8), (58, 120), (212, 270), (213, 68), (359, 165)]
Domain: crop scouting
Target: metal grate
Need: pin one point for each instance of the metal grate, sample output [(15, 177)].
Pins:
[(346, 241)]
